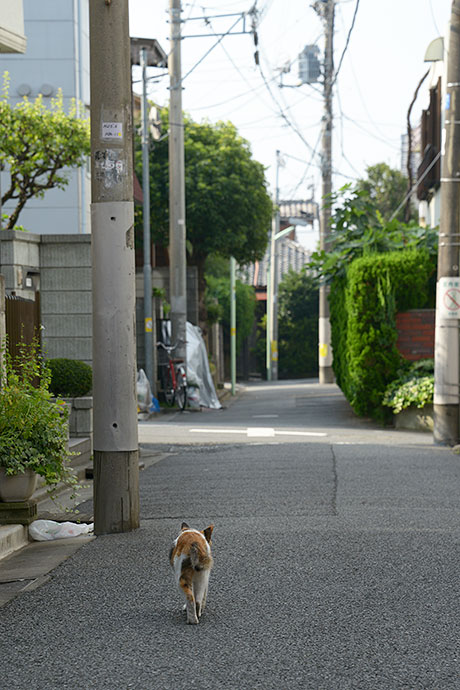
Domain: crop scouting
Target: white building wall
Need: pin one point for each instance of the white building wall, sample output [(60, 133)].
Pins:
[(57, 56), (12, 39)]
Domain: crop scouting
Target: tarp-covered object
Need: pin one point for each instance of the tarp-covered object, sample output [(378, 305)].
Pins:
[(199, 380), (198, 372)]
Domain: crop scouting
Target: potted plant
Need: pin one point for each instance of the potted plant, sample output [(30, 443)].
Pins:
[(33, 428)]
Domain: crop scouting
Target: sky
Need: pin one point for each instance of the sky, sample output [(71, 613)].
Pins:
[(380, 69)]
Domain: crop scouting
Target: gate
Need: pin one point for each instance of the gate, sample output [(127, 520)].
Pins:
[(22, 320)]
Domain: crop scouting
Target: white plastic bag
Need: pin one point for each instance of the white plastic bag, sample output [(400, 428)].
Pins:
[(47, 530), (144, 392)]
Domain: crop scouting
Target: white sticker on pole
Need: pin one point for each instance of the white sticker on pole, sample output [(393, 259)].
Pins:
[(112, 130), (449, 298)]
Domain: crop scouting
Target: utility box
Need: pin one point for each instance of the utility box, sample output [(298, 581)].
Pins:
[(309, 65)]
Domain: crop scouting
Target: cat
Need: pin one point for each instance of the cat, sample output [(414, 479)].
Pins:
[(191, 559)]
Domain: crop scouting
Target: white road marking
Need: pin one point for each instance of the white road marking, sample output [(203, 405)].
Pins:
[(252, 432), (264, 416), (260, 431)]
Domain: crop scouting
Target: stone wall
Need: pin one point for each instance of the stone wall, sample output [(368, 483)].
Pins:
[(58, 267)]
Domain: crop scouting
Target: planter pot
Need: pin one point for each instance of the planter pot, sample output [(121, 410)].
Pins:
[(17, 487), (415, 418)]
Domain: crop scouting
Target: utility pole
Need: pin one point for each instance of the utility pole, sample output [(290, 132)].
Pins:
[(116, 465), (274, 248), (148, 317), (177, 228), (446, 369), (326, 10)]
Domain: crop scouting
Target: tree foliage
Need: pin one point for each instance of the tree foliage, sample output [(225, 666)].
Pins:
[(359, 229), (218, 303), (228, 208), (298, 325), (387, 188), (36, 145)]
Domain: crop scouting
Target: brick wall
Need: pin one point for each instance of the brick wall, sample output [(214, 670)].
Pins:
[(416, 333)]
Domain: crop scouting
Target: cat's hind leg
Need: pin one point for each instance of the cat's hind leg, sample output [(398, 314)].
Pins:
[(185, 582), (200, 590)]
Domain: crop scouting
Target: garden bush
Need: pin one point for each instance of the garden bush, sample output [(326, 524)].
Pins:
[(70, 378), (413, 386), (363, 310)]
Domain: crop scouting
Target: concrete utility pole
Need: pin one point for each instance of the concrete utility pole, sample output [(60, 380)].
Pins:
[(275, 259), (177, 228), (446, 371), (148, 317), (326, 10), (116, 466)]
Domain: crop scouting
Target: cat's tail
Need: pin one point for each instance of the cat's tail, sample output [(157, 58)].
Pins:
[(199, 560)]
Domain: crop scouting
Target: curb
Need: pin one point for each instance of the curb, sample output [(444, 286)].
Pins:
[(12, 538)]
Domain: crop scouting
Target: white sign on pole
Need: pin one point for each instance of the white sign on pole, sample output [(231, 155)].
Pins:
[(448, 298)]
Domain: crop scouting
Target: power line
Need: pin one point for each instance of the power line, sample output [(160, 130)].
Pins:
[(221, 38), (346, 43), (419, 179)]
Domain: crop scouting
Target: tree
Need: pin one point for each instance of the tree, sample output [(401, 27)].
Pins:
[(358, 229), (298, 325), (218, 299), (387, 188), (228, 209), (36, 145)]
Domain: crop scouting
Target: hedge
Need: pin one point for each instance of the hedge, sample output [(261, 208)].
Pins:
[(363, 308), (70, 378)]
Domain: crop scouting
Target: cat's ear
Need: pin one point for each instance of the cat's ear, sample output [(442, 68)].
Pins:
[(184, 526), (207, 532)]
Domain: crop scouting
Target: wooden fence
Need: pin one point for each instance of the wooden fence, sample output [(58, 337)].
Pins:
[(22, 320)]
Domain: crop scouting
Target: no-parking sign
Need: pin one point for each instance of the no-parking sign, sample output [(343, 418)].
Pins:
[(448, 298)]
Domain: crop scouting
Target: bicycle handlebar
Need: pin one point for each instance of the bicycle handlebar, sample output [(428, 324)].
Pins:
[(170, 348)]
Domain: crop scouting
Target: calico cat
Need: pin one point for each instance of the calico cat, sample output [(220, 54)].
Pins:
[(191, 559)]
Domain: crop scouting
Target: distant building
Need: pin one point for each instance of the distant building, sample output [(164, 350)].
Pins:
[(57, 57)]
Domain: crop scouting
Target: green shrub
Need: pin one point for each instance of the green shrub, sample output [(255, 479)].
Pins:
[(414, 386), (363, 311), (70, 378), (33, 428)]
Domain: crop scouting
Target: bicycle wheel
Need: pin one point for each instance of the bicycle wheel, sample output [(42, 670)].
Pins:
[(168, 387), (181, 391)]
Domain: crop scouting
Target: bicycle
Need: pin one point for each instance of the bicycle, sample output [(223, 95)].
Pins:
[(174, 378)]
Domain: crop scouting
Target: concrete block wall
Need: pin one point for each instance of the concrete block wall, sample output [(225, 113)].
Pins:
[(59, 267), (416, 333), (19, 262), (65, 295), (2, 309)]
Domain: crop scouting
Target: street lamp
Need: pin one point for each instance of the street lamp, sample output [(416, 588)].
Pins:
[(272, 305), (147, 52)]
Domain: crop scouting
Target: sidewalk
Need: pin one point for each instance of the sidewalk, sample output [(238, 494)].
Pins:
[(15, 537), (336, 567)]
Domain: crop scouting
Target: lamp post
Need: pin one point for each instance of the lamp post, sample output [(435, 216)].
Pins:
[(147, 52), (272, 303)]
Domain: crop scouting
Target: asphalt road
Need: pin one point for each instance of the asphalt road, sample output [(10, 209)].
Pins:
[(336, 565)]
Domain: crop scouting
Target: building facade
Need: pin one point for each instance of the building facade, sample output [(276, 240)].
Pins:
[(56, 57)]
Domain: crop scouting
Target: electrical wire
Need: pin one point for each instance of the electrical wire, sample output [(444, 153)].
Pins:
[(346, 43), (415, 185), (221, 38)]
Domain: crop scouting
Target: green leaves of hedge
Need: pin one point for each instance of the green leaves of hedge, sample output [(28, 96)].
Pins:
[(363, 305)]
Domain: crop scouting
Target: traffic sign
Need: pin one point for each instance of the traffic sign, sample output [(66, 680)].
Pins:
[(449, 298)]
